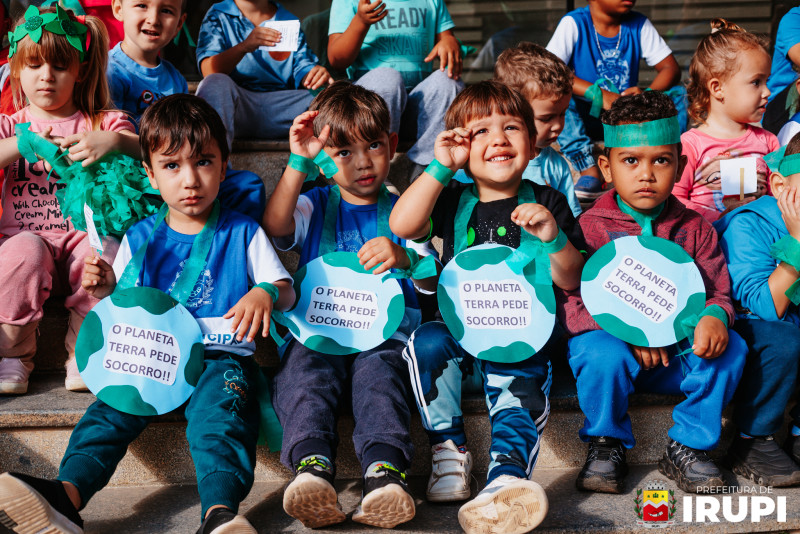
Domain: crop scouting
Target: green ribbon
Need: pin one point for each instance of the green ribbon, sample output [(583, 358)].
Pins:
[(418, 269), (690, 323), (779, 162), (666, 131), (644, 220), (326, 164), (787, 250), (271, 290), (184, 31), (531, 248), (594, 94), (304, 165), (58, 23), (270, 430), (440, 172)]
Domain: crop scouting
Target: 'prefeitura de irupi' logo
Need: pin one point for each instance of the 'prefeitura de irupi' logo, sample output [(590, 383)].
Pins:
[(655, 506)]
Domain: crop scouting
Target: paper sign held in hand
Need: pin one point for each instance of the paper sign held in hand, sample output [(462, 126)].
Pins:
[(738, 176), (94, 238), (290, 35)]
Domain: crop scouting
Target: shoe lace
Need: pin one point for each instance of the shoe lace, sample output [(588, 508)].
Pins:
[(605, 452), (314, 462), (387, 469), (687, 455)]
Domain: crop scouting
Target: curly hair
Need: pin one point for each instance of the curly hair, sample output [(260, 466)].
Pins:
[(534, 71), (717, 56), (633, 109)]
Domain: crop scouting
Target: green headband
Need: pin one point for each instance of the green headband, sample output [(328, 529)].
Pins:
[(59, 23), (778, 161), (659, 132)]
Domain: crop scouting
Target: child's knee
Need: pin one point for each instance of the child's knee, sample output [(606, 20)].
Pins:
[(215, 84), (432, 346)]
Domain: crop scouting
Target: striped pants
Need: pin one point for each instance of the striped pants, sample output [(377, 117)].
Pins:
[(516, 395)]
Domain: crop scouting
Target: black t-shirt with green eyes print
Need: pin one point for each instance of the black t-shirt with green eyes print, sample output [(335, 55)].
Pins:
[(491, 221)]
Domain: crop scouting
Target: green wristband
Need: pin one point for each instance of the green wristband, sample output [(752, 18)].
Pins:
[(714, 310), (302, 164), (271, 290), (786, 250), (557, 244), (442, 174), (326, 164)]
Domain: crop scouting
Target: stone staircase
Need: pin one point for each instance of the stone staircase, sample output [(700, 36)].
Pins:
[(154, 487)]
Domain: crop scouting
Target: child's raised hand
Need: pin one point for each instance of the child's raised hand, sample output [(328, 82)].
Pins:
[(88, 147), (370, 13), (301, 135), (631, 91), (260, 36), (249, 313), (98, 277), (383, 251), (448, 51), (609, 98), (650, 357), (451, 148), (536, 220), (317, 77), (710, 338), (789, 204)]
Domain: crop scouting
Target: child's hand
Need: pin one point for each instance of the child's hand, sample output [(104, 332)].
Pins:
[(260, 36), (317, 77), (451, 148), (449, 53), (631, 91), (789, 204), (536, 220), (384, 251), (609, 98), (650, 357), (98, 277), (252, 310), (90, 146), (370, 13), (710, 338), (301, 135)]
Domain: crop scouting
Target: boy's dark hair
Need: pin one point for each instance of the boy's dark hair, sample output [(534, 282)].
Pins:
[(353, 113), (793, 146), (176, 119), (534, 71), (634, 109), (484, 98)]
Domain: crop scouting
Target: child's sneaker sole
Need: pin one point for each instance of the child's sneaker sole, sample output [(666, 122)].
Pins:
[(778, 481), (516, 508), (24, 511), (386, 507), (13, 388), (671, 471), (239, 525), (312, 500)]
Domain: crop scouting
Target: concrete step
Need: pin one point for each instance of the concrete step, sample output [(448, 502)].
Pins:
[(176, 509)]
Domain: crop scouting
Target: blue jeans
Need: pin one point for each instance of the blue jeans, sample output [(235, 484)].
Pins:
[(607, 373), (516, 395), (223, 420), (312, 387), (769, 377)]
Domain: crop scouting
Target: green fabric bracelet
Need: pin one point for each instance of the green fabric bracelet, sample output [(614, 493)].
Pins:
[(715, 310), (786, 250), (418, 269), (302, 164), (594, 94), (325, 162), (557, 244), (442, 174), (430, 233), (271, 290), (793, 293)]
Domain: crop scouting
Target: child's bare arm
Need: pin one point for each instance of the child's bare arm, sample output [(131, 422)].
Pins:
[(278, 218), (98, 277), (225, 62), (669, 74), (343, 48), (9, 153), (410, 216)]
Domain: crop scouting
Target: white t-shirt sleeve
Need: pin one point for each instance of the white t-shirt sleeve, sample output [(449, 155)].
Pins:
[(263, 264), (787, 132), (302, 218), (654, 48), (122, 258), (562, 43)]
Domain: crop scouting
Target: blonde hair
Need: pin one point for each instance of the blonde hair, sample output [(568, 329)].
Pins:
[(90, 94), (717, 56), (533, 71)]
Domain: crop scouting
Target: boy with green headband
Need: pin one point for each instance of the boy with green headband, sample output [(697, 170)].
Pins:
[(504, 209), (760, 242), (346, 134), (642, 160)]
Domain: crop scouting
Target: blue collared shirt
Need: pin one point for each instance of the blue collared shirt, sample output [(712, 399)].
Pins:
[(225, 26)]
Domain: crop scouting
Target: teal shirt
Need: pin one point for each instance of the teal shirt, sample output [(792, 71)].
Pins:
[(548, 168), (401, 40)]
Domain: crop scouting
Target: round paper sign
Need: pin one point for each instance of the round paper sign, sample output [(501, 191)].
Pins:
[(640, 289), (494, 313), (140, 351), (341, 308)]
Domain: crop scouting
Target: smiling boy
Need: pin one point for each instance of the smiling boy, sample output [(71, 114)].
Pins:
[(642, 160), (491, 132)]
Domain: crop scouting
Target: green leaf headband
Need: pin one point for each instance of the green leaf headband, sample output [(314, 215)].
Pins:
[(778, 161), (659, 132), (59, 23)]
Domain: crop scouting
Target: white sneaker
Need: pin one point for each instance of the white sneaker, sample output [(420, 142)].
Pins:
[(74, 381), (509, 505), (450, 473), (14, 373)]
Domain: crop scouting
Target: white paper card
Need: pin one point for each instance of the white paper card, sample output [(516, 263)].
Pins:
[(290, 35), (738, 175), (94, 238)]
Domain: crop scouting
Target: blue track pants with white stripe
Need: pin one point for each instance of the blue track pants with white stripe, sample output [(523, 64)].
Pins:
[(516, 395)]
